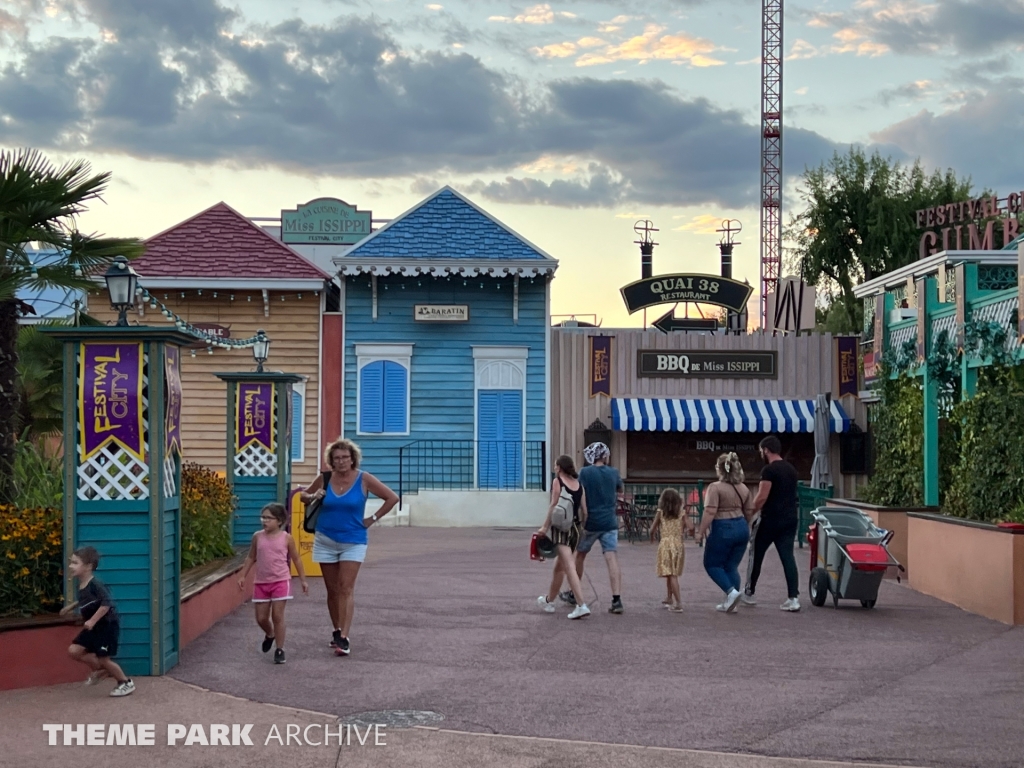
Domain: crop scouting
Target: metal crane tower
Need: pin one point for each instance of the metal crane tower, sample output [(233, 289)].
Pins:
[(771, 150)]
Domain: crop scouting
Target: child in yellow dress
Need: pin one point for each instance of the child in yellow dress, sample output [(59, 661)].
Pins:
[(671, 554)]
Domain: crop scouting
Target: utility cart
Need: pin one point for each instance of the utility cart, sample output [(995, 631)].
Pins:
[(849, 556)]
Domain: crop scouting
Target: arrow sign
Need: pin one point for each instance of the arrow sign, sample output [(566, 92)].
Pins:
[(668, 323)]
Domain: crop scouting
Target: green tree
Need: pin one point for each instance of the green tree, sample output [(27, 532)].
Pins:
[(40, 203), (858, 223)]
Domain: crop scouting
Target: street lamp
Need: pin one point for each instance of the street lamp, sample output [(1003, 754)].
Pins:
[(121, 282), (261, 350)]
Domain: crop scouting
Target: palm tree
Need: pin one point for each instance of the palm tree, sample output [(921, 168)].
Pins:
[(40, 203)]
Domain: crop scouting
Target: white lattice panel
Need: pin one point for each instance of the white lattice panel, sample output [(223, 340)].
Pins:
[(1001, 313), (113, 474), (170, 486), (947, 324), (899, 337), (255, 461)]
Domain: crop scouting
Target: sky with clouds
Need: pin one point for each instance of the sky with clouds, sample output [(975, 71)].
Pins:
[(567, 120)]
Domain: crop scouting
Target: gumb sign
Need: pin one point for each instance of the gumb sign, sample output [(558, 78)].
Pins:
[(970, 225), (325, 221)]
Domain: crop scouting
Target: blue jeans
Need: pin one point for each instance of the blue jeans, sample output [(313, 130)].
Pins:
[(723, 551)]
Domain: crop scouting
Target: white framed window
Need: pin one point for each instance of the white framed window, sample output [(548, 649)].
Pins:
[(383, 388), (299, 421)]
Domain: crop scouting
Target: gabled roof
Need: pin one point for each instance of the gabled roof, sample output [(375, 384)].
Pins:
[(221, 243), (446, 227)]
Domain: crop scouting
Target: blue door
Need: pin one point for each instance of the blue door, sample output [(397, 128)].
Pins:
[(499, 439)]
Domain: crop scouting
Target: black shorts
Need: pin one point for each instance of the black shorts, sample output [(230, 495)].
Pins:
[(101, 640)]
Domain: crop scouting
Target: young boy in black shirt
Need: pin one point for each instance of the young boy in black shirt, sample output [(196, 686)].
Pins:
[(96, 645)]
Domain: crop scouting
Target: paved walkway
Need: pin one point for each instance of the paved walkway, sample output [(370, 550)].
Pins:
[(446, 623)]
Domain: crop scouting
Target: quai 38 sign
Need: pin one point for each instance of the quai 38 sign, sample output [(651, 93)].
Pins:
[(698, 288)]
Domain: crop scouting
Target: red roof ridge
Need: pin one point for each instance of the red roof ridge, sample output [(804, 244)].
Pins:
[(177, 256)]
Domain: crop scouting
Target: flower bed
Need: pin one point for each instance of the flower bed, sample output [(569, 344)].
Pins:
[(31, 561)]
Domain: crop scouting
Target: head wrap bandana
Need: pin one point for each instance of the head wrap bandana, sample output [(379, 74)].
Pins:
[(596, 452)]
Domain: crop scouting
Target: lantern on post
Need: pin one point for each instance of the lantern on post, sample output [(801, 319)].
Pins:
[(121, 281), (261, 349)]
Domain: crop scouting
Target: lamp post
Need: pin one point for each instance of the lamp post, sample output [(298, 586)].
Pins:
[(261, 349), (121, 282)]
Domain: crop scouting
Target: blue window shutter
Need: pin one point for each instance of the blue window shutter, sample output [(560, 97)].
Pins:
[(371, 397), (298, 422), (488, 432), (396, 381)]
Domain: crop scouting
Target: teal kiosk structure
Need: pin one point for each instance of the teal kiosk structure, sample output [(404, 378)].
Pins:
[(122, 478), (258, 445)]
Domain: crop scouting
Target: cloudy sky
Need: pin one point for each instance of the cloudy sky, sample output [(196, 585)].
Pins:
[(568, 120)]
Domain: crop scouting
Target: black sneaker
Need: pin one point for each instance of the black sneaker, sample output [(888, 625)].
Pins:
[(336, 638), (567, 597), (268, 643), (279, 656), (616, 606), (342, 648)]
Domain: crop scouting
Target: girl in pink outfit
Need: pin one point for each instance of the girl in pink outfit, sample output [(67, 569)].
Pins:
[(270, 552)]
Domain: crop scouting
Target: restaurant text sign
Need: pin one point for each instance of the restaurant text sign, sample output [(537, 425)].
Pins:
[(441, 313), (696, 288), (325, 221), (724, 364), (970, 225)]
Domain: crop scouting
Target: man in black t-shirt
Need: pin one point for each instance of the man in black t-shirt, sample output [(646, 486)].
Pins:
[(776, 508)]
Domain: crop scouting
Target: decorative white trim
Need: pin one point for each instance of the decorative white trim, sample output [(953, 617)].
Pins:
[(445, 267), (930, 265), (393, 353), (373, 286), (300, 419), (500, 353), (228, 284), (515, 300)]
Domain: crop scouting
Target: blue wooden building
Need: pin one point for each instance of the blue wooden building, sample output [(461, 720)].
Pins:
[(446, 339)]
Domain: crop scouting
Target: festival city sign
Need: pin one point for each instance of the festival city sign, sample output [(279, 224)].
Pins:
[(600, 366), (959, 223), (697, 288), (846, 348), (253, 412), (110, 398), (172, 401), (724, 364), (325, 221)]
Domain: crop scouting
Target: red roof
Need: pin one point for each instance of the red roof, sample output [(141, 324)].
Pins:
[(221, 242)]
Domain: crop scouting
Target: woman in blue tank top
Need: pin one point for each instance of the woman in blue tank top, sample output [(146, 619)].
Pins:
[(339, 545)]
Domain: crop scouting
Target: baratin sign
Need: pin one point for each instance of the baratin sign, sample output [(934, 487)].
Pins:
[(724, 364), (172, 426), (970, 225), (253, 411), (325, 221), (441, 313), (696, 288), (110, 398)]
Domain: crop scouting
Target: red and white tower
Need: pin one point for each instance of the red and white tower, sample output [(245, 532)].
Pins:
[(771, 150)]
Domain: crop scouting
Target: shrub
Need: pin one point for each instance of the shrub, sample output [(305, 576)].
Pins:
[(31, 560), (206, 509), (38, 477), (897, 432)]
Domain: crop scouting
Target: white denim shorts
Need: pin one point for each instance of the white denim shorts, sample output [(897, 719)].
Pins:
[(327, 550)]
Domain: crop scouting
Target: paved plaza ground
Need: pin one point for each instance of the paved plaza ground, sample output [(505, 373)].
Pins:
[(446, 623)]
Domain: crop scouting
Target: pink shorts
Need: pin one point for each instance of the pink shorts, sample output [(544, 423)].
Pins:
[(271, 591)]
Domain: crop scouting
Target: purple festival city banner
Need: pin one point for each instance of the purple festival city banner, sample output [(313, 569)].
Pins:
[(848, 374), (172, 371), (110, 398), (600, 366), (253, 410)]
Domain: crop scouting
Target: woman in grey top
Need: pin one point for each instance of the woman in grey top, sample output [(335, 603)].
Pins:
[(724, 523)]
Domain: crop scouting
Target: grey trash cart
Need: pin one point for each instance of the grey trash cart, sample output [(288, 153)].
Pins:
[(849, 556)]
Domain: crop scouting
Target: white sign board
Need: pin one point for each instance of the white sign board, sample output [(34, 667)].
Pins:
[(441, 313), (791, 307)]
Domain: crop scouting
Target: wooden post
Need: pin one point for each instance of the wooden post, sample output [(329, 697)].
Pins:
[(258, 460), (966, 294), (122, 485)]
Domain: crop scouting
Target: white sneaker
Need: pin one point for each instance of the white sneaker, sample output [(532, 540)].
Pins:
[(732, 600), (579, 612), (542, 601), (721, 607), (748, 599), (792, 605), (124, 689)]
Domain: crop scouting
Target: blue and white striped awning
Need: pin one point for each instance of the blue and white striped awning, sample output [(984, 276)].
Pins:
[(634, 414)]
